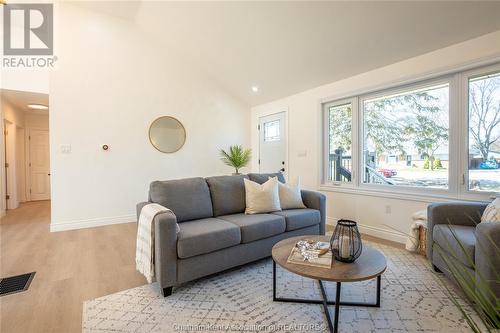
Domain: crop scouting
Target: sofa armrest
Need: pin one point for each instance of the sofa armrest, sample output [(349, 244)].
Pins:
[(487, 254), (316, 200), (455, 213), (165, 225)]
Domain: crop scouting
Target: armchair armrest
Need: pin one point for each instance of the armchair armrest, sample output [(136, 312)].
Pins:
[(487, 255), (316, 200), (165, 225), (455, 213)]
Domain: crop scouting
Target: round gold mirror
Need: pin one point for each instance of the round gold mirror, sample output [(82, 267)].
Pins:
[(167, 134)]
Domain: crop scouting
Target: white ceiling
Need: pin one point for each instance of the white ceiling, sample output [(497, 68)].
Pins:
[(20, 100), (287, 47)]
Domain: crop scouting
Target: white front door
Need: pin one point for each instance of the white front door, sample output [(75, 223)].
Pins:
[(272, 146), (39, 165)]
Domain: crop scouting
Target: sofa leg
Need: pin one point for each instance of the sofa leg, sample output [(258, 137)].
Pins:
[(167, 291), (436, 269)]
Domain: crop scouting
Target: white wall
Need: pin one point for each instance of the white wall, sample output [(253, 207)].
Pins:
[(39, 121), (305, 131), (110, 83)]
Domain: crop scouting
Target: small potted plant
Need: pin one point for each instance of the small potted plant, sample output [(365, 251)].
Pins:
[(236, 156)]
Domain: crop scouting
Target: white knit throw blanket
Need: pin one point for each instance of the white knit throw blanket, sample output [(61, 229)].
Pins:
[(145, 247), (419, 219)]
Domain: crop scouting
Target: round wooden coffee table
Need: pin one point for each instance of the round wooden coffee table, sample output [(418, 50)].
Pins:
[(371, 264)]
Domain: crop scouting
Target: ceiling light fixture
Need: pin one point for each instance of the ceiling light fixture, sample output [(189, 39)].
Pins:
[(38, 106), (255, 89)]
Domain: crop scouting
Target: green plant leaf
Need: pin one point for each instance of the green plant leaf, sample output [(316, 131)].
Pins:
[(236, 156)]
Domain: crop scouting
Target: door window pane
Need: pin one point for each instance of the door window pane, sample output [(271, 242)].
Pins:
[(272, 131), (406, 138), (340, 143), (484, 133)]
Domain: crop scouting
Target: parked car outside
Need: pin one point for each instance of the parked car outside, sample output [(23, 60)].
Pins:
[(491, 164), (388, 173)]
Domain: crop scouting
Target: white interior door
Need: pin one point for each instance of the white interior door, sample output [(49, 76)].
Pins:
[(39, 165), (273, 143)]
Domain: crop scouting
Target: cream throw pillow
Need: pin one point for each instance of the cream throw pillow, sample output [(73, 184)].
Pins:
[(262, 198), (492, 212), (290, 196)]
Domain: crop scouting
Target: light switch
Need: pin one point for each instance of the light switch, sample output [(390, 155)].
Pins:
[(65, 149), (302, 153)]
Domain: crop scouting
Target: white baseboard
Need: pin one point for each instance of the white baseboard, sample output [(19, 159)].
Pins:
[(91, 223), (386, 234)]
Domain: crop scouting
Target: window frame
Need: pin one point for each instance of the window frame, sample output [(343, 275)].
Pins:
[(458, 113), (446, 80), (465, 192), (326, 141), (275, 138)]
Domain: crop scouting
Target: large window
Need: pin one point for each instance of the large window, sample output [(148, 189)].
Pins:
[(406, 138), (484, 133), (438, 137)]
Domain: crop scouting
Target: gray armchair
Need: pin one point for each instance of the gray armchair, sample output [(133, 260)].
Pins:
[(472, 245)]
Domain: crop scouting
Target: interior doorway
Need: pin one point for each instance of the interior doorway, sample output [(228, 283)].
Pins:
[(26, 157), (39, 164)]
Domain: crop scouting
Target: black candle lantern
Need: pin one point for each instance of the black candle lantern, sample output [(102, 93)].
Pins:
[(346, 241)]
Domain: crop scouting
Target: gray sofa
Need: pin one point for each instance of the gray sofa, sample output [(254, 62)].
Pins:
[(477, 253), (215, 234)]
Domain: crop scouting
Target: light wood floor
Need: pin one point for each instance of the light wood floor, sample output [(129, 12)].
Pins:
[(71, 267)]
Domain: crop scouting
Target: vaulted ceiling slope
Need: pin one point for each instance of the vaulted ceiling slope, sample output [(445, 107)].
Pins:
[(287, 47)]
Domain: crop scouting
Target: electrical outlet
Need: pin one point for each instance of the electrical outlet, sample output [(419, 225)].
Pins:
[(388, 209)]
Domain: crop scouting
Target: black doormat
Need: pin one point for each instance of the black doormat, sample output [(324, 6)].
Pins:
[(15, 284)]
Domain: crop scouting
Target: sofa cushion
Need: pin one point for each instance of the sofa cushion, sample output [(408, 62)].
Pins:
[(257, 226), (189, 199), (228, 194), (300, 218), (443, 235), (205, 236), (261, 178), (290, 195), (263, 198)]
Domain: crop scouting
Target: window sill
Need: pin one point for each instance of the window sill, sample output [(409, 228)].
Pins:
[(401, 195)]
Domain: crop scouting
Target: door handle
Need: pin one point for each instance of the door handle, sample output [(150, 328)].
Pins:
[(48, 174)]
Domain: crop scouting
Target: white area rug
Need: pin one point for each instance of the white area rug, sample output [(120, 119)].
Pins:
[(240, 300)]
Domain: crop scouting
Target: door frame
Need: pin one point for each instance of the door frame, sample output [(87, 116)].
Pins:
[(21, 164), (287, 145), (10, 171), (28, 160)]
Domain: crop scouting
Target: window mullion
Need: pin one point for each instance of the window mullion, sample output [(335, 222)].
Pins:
[(356, 146), (455, 132)]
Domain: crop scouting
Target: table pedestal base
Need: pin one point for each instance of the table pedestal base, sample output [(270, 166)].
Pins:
[(325, 302)]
